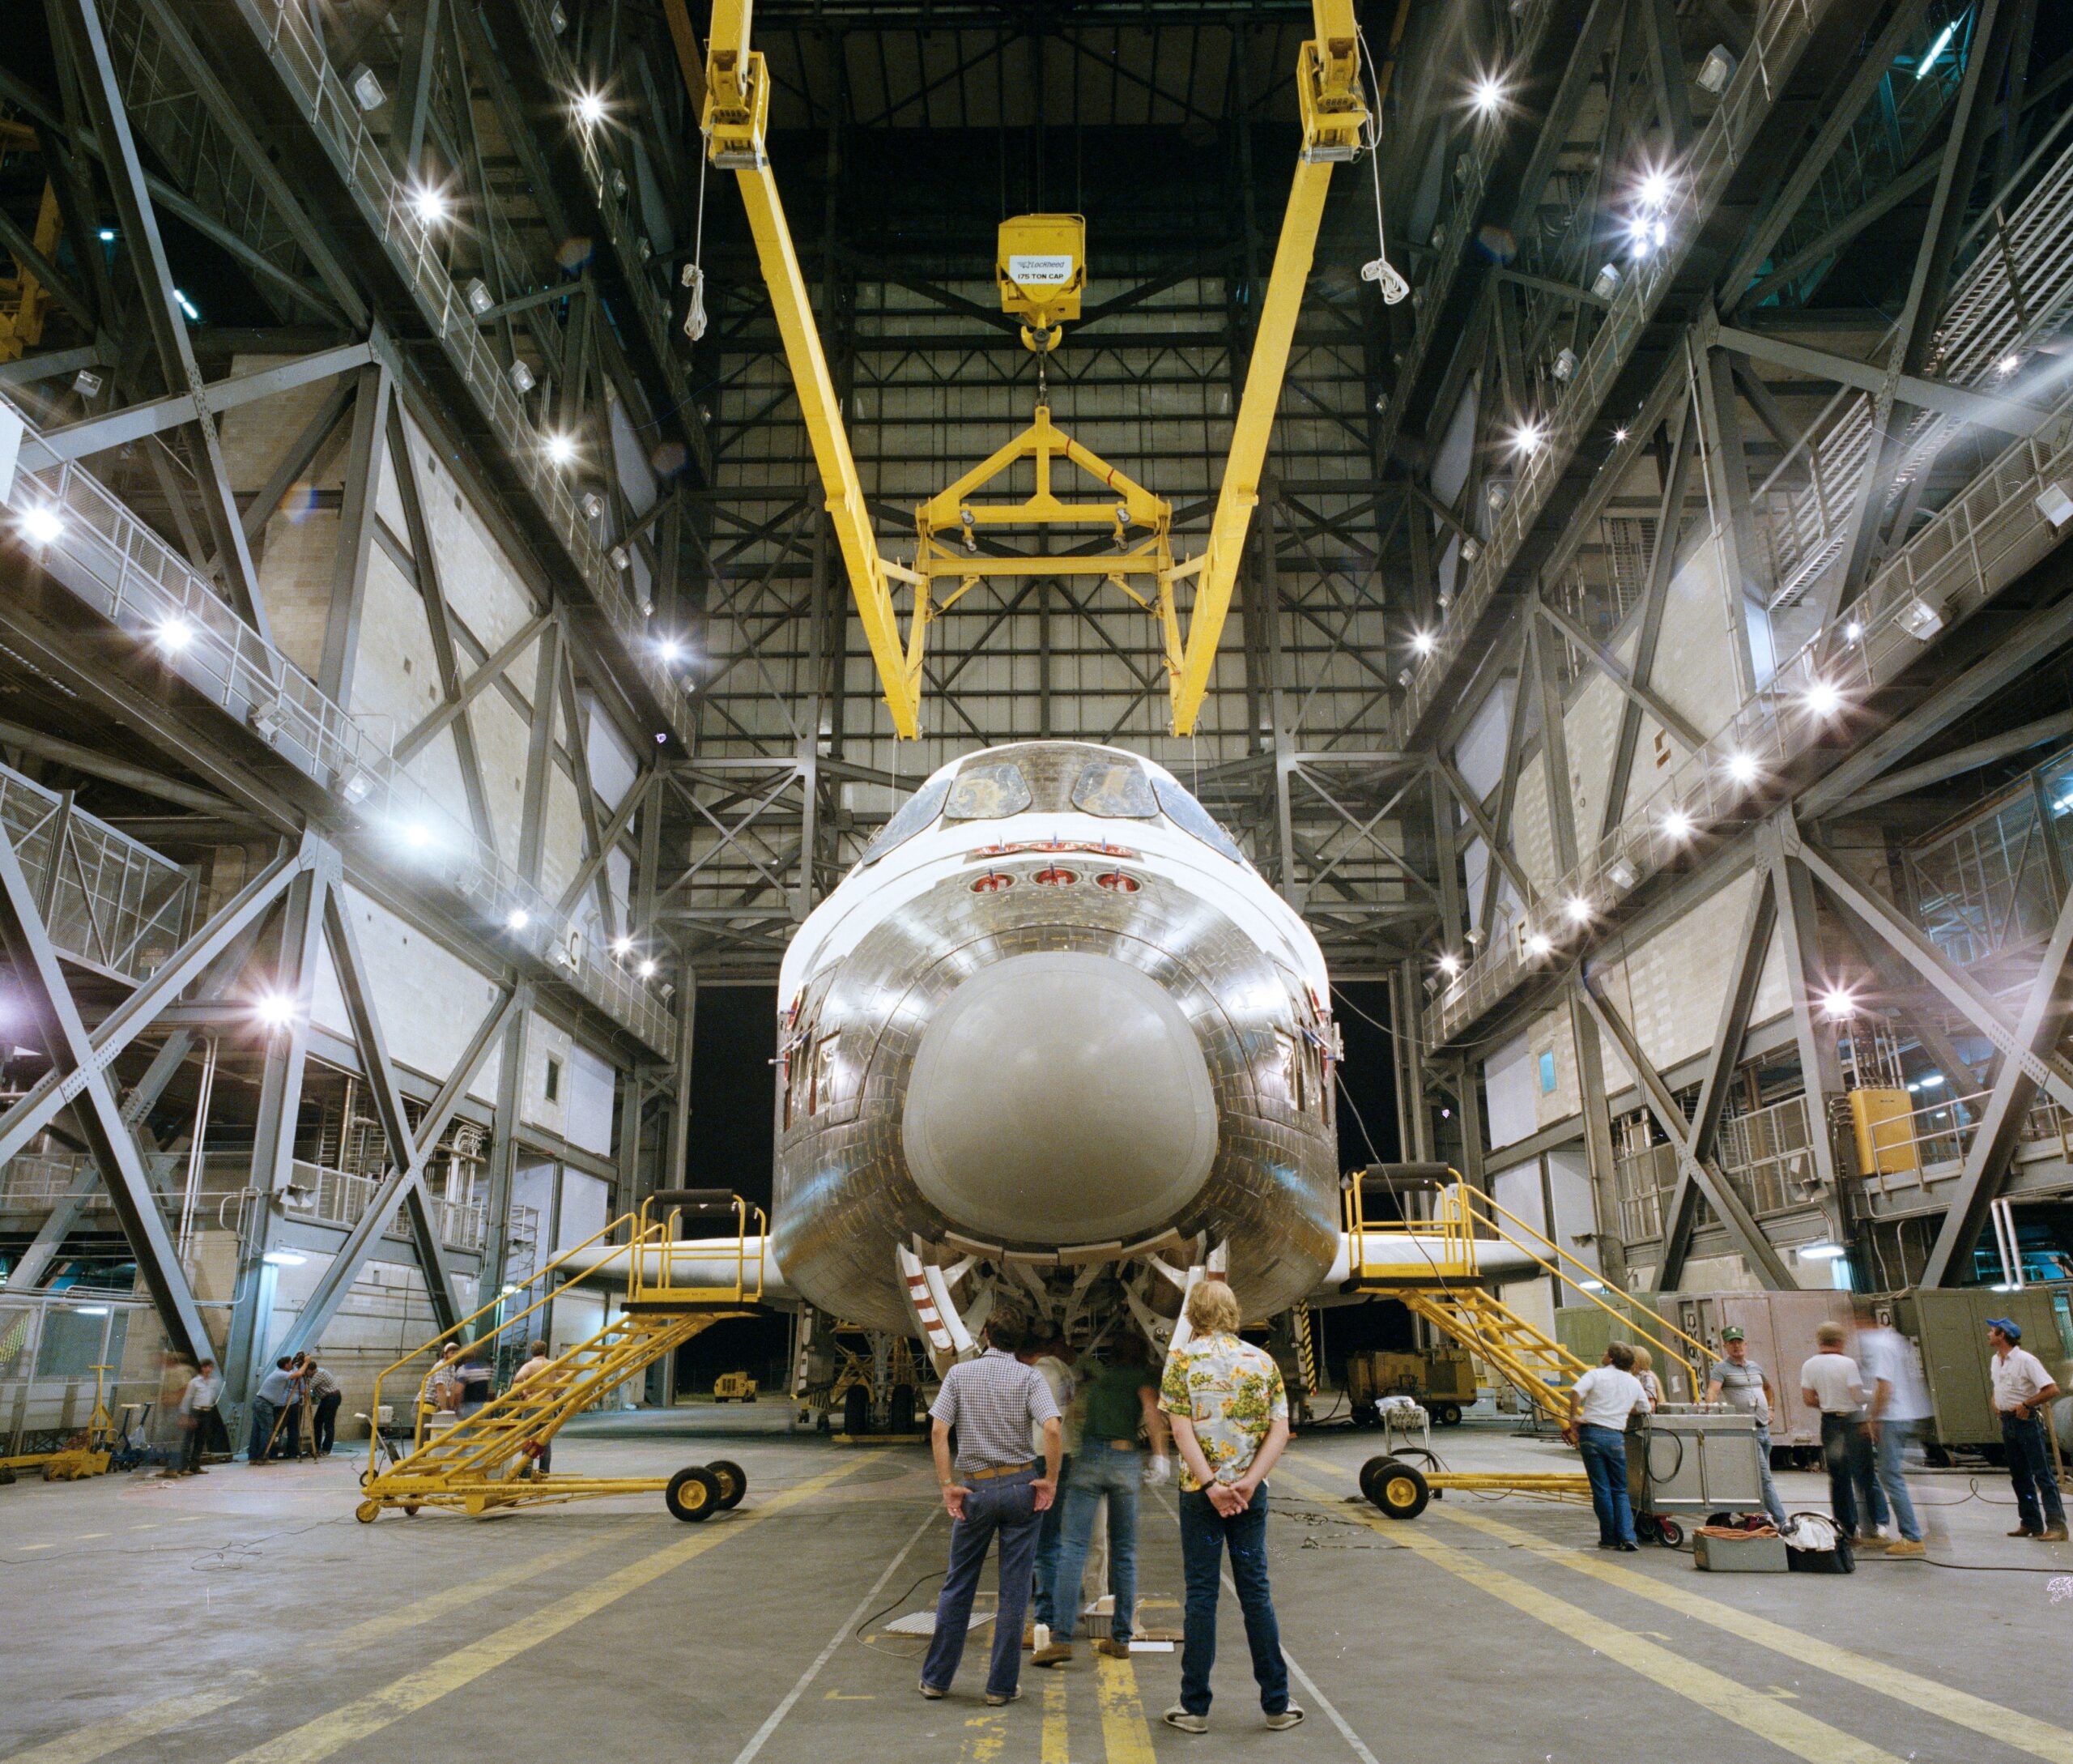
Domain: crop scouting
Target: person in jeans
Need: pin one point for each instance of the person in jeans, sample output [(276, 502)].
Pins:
[(1740, 1382), (1599, 1404), (1834, 1383), (1053, 1359), (998, 1491), (1897, 1402), (324, 1396), (275, 1391), (1121, 1401), (2024, 1393), (1229, 1412)]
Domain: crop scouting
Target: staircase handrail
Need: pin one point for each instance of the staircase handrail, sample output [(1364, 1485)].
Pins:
[(662, 1235), (417, 1430), (1470, 1199), (1457, 1237)]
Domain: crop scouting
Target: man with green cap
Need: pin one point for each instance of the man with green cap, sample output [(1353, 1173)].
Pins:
[(1741, 1383)]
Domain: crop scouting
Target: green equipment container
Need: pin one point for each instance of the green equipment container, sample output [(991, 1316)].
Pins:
[(1949, 1328)]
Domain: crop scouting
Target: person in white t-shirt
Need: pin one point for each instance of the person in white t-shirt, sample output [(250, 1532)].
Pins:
[(1053, 1360), (1834, 1383), (2024, 1393), (1897, 1402), (1599, 1404)]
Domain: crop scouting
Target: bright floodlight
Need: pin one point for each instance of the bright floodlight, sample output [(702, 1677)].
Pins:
[(622, 946), (669, 649), (1825, 698), (1853, 631), (518, 919), (1488, 95), (561, 448), (646, 970), (175, 634), (416, 835), (276, 1009), (1538, 943), (590, 108), (1838, 1003), (1677, 824), (1424, 642), (1450, 964), (1655, 190), (429, 203), (1742, 768), (1936, 50), (1822, 1252), (2009, 364), (1526, 439), (1619, 436), (43, 525), (1579, 910)]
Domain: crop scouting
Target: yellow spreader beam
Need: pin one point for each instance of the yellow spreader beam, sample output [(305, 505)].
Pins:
[(736, 104)]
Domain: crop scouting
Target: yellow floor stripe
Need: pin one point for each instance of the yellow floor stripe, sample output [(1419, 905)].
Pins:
[(1124, 1736), (85, 1744), (1056, 1748), (333, 1733), (2026, 1733), (1789, 1729), (986, 1737)]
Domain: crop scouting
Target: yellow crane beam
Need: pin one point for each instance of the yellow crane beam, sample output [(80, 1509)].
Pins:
[(1334, 115), (737, 108)]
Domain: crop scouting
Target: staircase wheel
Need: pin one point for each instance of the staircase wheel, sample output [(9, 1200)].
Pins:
[(410, 1510), (693, 1494), (856, 1411), (903, 1419), (732, 1480), (1371, 1476), (1401, 1490), (368, 1511)]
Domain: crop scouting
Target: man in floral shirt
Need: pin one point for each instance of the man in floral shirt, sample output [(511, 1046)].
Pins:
[(1230, 1414)]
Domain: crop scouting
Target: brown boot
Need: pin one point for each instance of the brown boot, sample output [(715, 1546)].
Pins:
[(1114, 1649), (1055, 1654), (2024, 1530), (1906, 1547), (2052, 1534)]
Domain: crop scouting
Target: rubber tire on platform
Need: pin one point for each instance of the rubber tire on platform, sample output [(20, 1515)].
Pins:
[(693, 1494), (732, 1480), (856, 1411), (1450, 1414), (903, 1418), (1401, 1490), (367, 1512), (1370, 1474)]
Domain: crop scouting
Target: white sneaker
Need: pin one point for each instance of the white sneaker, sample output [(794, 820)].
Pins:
[(1290, 1717), (1178, 1717)]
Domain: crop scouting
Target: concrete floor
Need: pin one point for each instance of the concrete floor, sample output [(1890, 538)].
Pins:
[(246, 1616)]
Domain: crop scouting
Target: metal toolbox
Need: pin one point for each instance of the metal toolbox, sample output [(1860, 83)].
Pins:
[(1689, 1458)]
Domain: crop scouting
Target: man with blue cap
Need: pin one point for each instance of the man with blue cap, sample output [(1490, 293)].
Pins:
[(2024, 1393)]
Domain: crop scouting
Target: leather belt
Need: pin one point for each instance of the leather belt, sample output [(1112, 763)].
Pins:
[(999, 1470)]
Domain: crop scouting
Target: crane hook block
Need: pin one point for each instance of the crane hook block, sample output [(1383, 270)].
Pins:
[(1041, 266)]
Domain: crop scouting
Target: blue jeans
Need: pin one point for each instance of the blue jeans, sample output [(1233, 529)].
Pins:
[(1889, 1453), (1604, 1452), (264, 1415), (1006, 1506), (1204, 1533), (1099, 1469), (1772, 1504), (2029, 1469), (1048, 1524), (1846, 1448)]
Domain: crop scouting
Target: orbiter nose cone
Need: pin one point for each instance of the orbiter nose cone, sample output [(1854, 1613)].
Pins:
[(1060, 1097)]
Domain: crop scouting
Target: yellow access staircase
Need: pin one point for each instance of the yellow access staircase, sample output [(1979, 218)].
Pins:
[(490, 1458), (1444, 1284)]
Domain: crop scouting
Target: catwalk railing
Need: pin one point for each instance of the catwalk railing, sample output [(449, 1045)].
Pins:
[(87, 541), (1976, 545)]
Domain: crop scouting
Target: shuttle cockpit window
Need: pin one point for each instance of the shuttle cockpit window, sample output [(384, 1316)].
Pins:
[(915, 815), (1191, 817), (992, 789), (1115, 790)]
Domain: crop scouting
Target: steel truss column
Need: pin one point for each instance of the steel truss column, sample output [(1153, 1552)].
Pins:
[(504, 1152), (84, 1082), (1727, 474), (355, 540), (1597, 1114), (1764, 1259), (2046, 1011), (1751, 948), (168, 323), (676, 1146), (1821, 1065), (274, 1127)]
